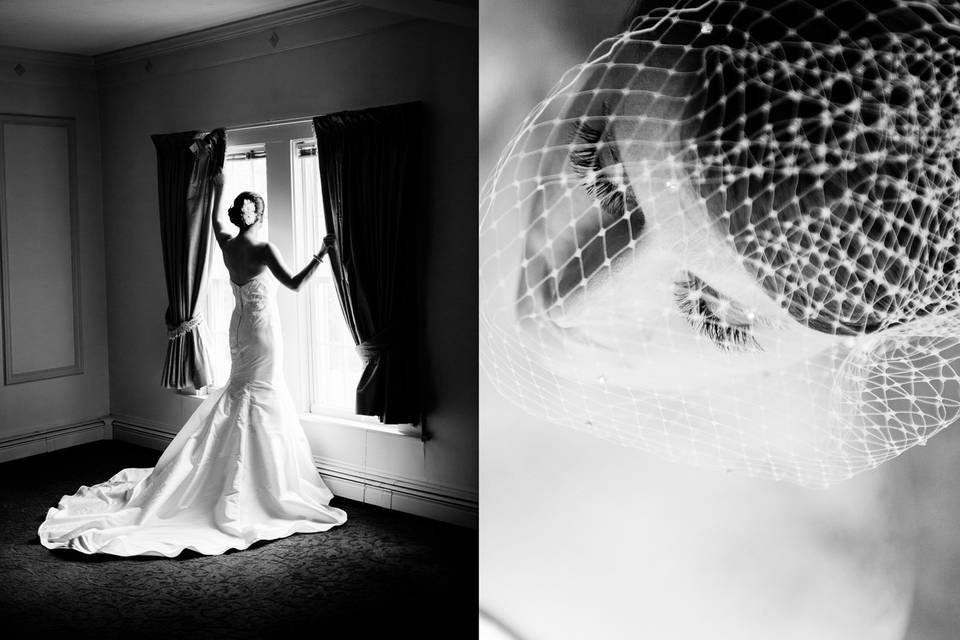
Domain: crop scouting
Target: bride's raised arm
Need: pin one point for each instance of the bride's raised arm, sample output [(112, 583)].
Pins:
[(278, 267), (219, 232)]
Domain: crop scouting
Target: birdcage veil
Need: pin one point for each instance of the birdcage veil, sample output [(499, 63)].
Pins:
[(806, 150)]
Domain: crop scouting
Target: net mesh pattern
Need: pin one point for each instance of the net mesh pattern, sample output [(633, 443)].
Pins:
[(730, 238)]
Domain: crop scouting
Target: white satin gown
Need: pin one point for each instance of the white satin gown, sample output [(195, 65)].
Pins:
[(240, 470)]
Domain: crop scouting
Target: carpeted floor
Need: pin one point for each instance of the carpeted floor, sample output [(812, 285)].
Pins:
[(382, 572)]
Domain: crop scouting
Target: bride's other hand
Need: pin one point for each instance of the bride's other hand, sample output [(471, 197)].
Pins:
[(328, 241)]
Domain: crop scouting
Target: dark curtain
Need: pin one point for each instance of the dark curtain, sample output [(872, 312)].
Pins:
[(367, 162), (186, 164)]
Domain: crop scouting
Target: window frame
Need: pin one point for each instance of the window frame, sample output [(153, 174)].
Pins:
[(281, 138)]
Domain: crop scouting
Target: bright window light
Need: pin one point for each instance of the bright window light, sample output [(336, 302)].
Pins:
[(244, 169), (334, 367)]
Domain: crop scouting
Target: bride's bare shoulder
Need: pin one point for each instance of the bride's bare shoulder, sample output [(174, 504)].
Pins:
[(266, 251), (228, 245)]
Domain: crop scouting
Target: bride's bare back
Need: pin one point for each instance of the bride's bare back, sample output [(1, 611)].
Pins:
[(244, 254), (244, 257)]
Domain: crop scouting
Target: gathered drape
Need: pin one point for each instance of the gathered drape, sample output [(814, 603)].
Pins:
[(186, 165), (367, 164)]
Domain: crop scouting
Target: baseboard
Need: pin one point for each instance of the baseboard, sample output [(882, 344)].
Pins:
[(376, 487), (53, 437), (141, 432), (392, 491)]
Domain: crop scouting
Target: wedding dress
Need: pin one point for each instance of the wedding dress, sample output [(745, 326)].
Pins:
[(240, 469)]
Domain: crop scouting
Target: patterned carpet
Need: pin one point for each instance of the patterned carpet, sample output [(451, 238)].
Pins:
[(381, 572)]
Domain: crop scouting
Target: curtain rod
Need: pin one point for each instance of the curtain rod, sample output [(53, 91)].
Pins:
[(270, 123), (304, 148)]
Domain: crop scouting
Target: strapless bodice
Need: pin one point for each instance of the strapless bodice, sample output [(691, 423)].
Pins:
[(257, 291), (255, 341)]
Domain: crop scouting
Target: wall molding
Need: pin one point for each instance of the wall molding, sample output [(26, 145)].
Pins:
[(229, 31), (16, 54), (54, 437), (141, 432), (436, 10), (344, 25), (355, 482), (393, 491), (9, 338)]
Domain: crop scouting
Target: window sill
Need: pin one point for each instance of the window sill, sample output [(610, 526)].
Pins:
[(406, 430), (191, 393), (356, 422)]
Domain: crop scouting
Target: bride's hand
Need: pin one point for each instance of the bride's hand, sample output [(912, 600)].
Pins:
[(328, 240), (219, 180)]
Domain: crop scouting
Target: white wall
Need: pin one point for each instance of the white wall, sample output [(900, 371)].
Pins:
[(351, 60), (63, 86)]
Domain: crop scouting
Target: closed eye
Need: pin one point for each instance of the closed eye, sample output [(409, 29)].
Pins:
[(720, 318), (604, 180)]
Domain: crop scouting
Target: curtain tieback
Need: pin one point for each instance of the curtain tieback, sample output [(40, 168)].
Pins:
[(185, 327), (378, 343)]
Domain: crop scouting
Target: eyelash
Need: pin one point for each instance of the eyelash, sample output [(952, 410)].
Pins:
[(584, 160), (697, 312)]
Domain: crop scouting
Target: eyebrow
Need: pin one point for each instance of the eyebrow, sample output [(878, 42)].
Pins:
[(625, 225), (585, 147), (586, 135), (583, 144)]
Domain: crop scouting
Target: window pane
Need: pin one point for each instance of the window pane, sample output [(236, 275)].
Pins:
[(334, 366), (245, 169)]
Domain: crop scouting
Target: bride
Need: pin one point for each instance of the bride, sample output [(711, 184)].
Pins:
[(240, 469)]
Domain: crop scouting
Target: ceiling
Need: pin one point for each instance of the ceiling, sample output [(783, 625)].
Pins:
[(92, 27)]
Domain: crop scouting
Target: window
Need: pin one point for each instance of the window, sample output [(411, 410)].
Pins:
[(280, 163), (334, 367)]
